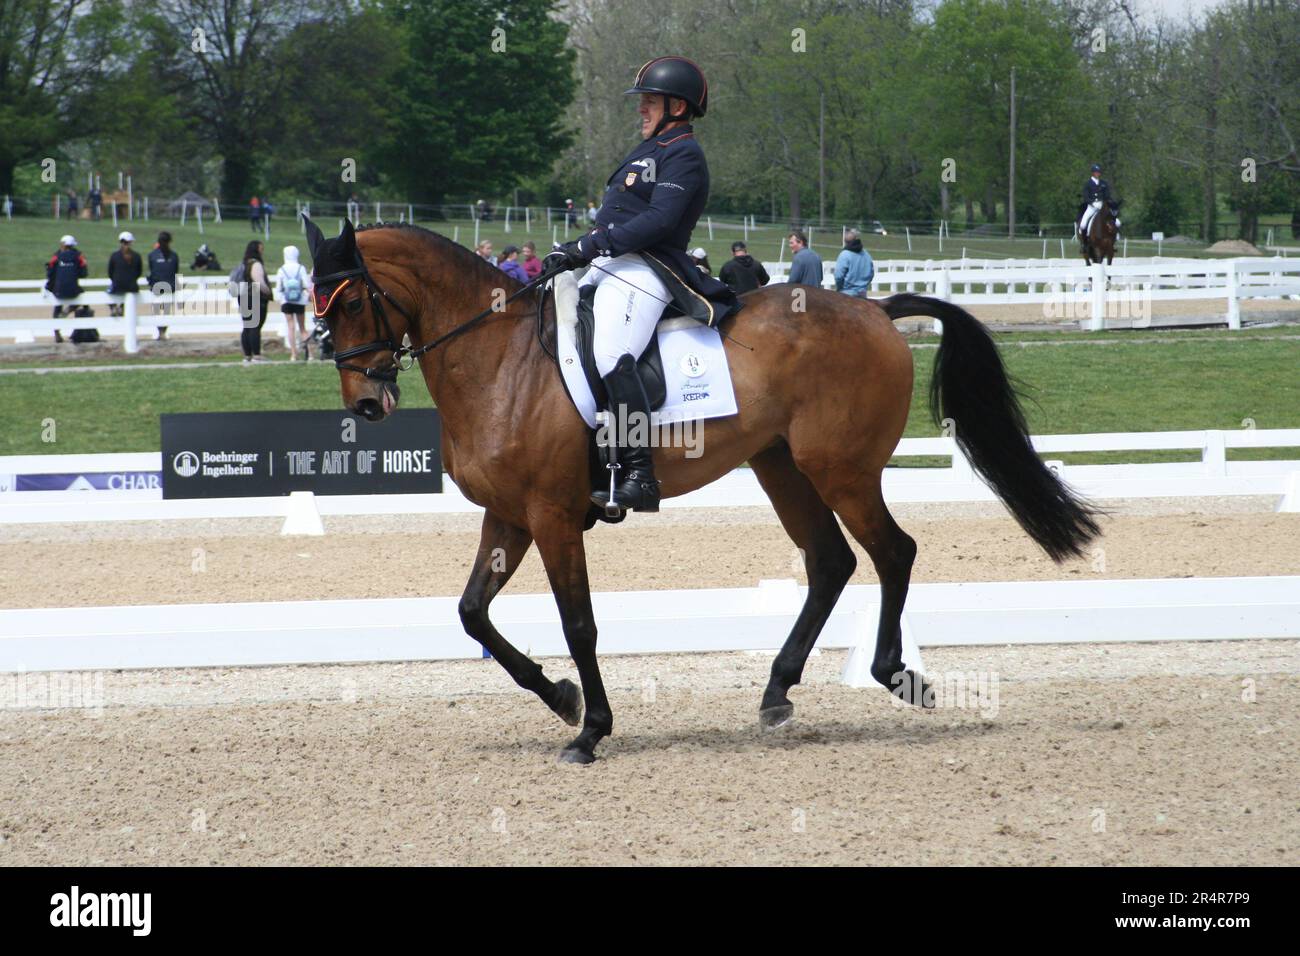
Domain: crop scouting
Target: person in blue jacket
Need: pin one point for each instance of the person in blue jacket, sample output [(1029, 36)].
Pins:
[(854, 269), (637, 252)]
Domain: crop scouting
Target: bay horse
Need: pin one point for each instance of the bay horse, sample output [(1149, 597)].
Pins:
[(823, 382), (1099, 243)]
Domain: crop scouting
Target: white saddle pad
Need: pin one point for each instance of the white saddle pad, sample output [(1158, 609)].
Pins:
[(697, 378)]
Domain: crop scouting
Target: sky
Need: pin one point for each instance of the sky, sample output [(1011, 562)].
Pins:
[(1176, 9)]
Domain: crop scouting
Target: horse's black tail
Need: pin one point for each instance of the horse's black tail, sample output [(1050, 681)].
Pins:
[(970, 386)]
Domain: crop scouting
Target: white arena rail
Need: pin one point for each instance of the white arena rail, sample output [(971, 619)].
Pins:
[(1066, 288), (201, 305), (1211, 475), (647, 622), (1069, 289)]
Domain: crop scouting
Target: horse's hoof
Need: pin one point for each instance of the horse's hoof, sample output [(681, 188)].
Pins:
[(770, 718), (574, 755), (915, 690), (569, 702)]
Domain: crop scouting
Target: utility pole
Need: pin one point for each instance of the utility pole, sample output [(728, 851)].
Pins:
[(821, 161), (1011, 180)]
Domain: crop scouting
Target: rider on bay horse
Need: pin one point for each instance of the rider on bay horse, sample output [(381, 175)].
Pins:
[(637, 253), (1095, 192)]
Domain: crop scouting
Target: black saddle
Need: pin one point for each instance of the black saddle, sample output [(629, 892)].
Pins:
[(649, 366)]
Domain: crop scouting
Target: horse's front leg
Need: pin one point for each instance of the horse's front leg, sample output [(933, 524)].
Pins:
[(559, 539), (501, 547)]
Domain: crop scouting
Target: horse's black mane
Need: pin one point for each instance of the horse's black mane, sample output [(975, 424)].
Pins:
[(467, 257)]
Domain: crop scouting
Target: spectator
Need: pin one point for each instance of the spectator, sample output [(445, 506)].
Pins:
[(294, 285), (743, 273), (164, 265), (570, 214), (484, 251), (205, 260), (124, 270), (268, 210), (805, 265), (255, 214), (532, 265), (854, 269), (509, 264), (62, 278), (95, 200), (256, 300), (701, 260), (72, 204), (591, 213)]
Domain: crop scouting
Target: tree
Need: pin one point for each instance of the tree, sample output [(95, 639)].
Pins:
[(338, 76), (232, 61), (479, 102), (51, 53), (970, 50)]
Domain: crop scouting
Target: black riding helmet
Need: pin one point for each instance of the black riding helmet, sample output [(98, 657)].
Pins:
[(674, 76)]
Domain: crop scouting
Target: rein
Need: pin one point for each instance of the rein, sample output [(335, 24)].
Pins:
[(403, 358)]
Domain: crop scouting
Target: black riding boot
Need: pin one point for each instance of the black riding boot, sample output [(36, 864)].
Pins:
[(637, 488)]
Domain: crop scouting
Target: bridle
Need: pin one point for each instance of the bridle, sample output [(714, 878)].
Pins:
[(385, 341)]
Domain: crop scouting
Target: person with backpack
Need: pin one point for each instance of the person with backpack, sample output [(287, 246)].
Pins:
[(124, 270), (293, 283), (63, 275), (164, 266), (248, 284)]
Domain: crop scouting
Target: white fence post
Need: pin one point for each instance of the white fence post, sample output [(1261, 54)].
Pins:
[(131, 343), (1234, 289), (1215, 455), (942, 290), (1097, 321)]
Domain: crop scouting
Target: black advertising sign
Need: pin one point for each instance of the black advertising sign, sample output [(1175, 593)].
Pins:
[(254, 454)]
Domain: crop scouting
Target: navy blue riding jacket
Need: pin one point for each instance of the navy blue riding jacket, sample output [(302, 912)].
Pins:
[(1094, 191), (651, 205)]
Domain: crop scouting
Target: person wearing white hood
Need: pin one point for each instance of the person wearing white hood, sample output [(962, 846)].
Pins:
[(293, 285)]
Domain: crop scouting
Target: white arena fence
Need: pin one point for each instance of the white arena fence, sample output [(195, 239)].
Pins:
[(1212, 474), (648, 622), (201, 305), (1065, 288), (71, 640)]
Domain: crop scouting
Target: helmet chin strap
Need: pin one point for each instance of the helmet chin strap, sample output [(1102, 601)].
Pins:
[(666, 118)]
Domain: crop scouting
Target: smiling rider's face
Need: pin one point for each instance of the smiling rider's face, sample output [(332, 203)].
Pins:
[(651, 108)]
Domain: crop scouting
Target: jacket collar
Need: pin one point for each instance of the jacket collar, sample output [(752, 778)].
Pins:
[(669, 135)]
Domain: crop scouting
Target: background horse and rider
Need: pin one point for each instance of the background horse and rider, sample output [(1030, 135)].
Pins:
[(823, 384)]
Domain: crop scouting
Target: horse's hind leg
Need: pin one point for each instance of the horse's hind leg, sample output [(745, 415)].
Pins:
[(861, 506), (827, 557), (501, 548)]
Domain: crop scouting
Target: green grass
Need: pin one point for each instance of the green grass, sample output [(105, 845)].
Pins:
[(1184, 381)]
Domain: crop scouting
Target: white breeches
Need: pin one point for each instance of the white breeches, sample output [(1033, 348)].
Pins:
[(630, 297), (1088, 214)]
